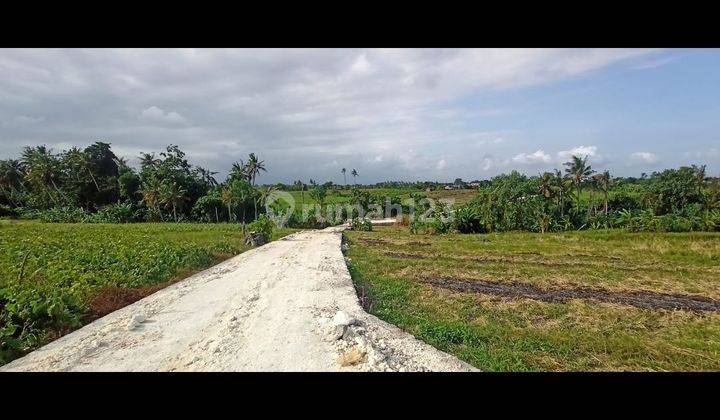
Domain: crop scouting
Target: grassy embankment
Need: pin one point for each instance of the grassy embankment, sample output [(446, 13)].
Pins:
[(559, 302)]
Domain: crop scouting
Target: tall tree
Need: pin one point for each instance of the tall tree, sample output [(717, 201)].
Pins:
[(173, 196), (604, 182), (12, 172), (253, 167), (238, 171), (579, 171), (343, 170), (354, 174), (151, 191)]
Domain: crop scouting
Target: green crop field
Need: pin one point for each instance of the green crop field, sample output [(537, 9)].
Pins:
[(56, 277), (573, 301), (459, 197)]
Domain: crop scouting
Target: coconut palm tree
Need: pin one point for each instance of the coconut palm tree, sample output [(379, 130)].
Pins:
[(42, 169), (174, 196), (253, 167), (354, 173), (238, 171), (343, 170), (148, 160), (226, 196), (12, 172), (604, 182), (151, 191), (561, 185), (207, 176), (578, 170)]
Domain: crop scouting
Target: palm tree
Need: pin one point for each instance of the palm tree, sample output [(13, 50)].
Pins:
[(238, 171), (253, 167), (354, 173), (561, 186), (578, 170), (151, 191), (42, 168), (148, 160), (174, 196), (12, 172), (226, 196), (343, 170), (604, 182), (207, 176)]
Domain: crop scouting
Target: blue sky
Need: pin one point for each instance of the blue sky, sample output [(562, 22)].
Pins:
[(391, 114)]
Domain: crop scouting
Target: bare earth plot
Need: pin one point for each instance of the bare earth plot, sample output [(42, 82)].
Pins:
[(287, 306)]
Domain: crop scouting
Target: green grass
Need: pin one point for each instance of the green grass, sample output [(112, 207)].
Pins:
[(502, 334), (342, 196), (50, 273)]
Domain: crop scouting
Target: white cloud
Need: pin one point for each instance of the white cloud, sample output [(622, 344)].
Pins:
[(297, 108), (441, 164), (159, 115), (579, 151), (533, 158), (645, 157)]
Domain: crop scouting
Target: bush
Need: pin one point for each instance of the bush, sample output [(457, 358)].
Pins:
[(7, 211), (262, 225), (468, 220), (63, 215), (115, 213), (361, 224)]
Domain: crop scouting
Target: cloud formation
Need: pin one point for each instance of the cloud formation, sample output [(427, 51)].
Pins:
[(392, 114)]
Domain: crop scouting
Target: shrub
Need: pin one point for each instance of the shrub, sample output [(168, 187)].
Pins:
[(468, 220), (7, 211), (63, 215), (361, 224), (115, 213), (262, 225)]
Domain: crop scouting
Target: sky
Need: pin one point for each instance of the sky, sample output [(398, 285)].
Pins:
[(395, 114)]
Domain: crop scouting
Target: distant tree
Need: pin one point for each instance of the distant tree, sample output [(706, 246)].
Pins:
[(343, 170), (354, 174), (237, 171), (12, 172), (301, 187), (151, 191), (578, 170), (604, 182), (319, 194), (173, 196)]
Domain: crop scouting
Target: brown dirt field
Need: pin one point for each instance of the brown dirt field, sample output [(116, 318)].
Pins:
[(643, 299)]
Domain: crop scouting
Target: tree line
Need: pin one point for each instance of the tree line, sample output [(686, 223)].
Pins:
[(94, 184)]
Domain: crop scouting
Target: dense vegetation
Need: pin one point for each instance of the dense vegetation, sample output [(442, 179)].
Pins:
[(673, 200), (391, 268), (94, 185), (53, 277)]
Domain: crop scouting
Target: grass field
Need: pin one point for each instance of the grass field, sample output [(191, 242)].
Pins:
[(56, 277), (591, 300)]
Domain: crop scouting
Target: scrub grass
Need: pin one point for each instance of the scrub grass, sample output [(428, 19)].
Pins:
[(496, 333)]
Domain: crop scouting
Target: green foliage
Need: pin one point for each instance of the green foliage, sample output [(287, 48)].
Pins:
[(468, 220), (7, 211), (363, 224), (50, 273), (262, 225)]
